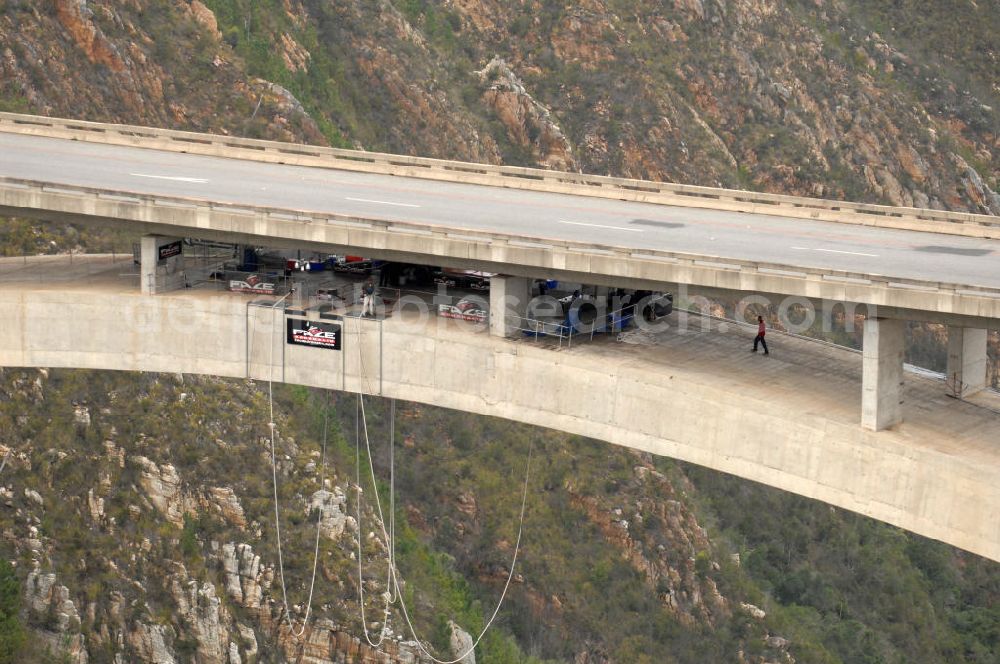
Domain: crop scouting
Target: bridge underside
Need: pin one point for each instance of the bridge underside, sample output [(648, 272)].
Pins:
[(789, 420)]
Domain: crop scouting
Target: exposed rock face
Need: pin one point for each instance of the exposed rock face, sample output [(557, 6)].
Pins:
[(668, 556), (528, 123), (34, 497), (284, 104), (225, 501), (246, 579), (107, 60), (461, 642), (203, 614), (987, 200), (77, 19), (204, 16), (49, 603), (295, 57), (333, 511), (249, 639), (96, 506), (149, 642), (81, 415), (163, 486), (801, 100), (325, 643), (47, 594)]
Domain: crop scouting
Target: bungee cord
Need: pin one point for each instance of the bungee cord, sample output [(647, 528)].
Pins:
[(510, 575), (389, 544), (394, 579), (274, 483)]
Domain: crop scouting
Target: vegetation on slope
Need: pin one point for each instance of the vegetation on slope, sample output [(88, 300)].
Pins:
[(838, 586), (833, 99), (614, 563)]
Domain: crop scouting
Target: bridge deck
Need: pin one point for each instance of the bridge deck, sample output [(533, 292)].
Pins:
[(813, 378), (807, 376)]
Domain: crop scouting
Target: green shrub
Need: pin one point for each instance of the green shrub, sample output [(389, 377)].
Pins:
[(12, 632)]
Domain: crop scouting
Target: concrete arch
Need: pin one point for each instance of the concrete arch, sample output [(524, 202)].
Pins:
[(669, 404)]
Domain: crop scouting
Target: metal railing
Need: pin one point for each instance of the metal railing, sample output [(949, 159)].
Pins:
[(604, 323), (953, 384), (537, 329), (341, 298), (71, 266)]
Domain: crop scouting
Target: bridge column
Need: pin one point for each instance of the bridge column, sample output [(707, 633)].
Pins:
[(161, 264), (966, 360), (509, 298), (882, 374)]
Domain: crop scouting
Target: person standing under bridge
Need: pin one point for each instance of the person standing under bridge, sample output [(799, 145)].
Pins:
[(368, 301), (761, 329)]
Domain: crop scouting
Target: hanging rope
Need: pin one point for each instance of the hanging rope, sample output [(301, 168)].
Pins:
[(388, 536), (274, 483), (319, 521), (359, 420), (503, 594), (394, 580), (361, 360)]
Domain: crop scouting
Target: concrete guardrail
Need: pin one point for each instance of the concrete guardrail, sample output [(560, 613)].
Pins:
[(915, 219)]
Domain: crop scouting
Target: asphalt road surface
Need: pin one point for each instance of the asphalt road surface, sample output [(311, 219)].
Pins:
[(532, 215)]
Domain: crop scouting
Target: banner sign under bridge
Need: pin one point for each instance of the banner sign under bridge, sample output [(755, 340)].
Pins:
[(311, 333)]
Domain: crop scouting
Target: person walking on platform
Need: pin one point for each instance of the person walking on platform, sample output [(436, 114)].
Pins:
[(761, 329), (368, 301)]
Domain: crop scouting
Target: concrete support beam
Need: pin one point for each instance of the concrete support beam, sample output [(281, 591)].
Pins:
[(497, 251), (509, 297), (161, 264), (882, 374), (966, 360), (147, 264)]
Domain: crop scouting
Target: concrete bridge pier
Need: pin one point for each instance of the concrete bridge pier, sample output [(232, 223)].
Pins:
[(967, 360), (509, 297), (161, 264), (882, 374)]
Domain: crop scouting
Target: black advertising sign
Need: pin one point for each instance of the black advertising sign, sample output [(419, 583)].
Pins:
[(170, 250), (311, 333)]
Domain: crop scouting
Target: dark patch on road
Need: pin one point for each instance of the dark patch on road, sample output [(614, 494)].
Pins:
[(934, 249), (656, 224)]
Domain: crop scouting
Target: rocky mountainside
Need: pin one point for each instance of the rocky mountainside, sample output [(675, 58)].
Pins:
[(893, 102), (138, 516)]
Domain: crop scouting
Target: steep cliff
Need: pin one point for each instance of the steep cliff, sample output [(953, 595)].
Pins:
[(832, 98), (139, 516)]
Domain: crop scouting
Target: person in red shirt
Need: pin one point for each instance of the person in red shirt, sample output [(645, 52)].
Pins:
[(760, 335)]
